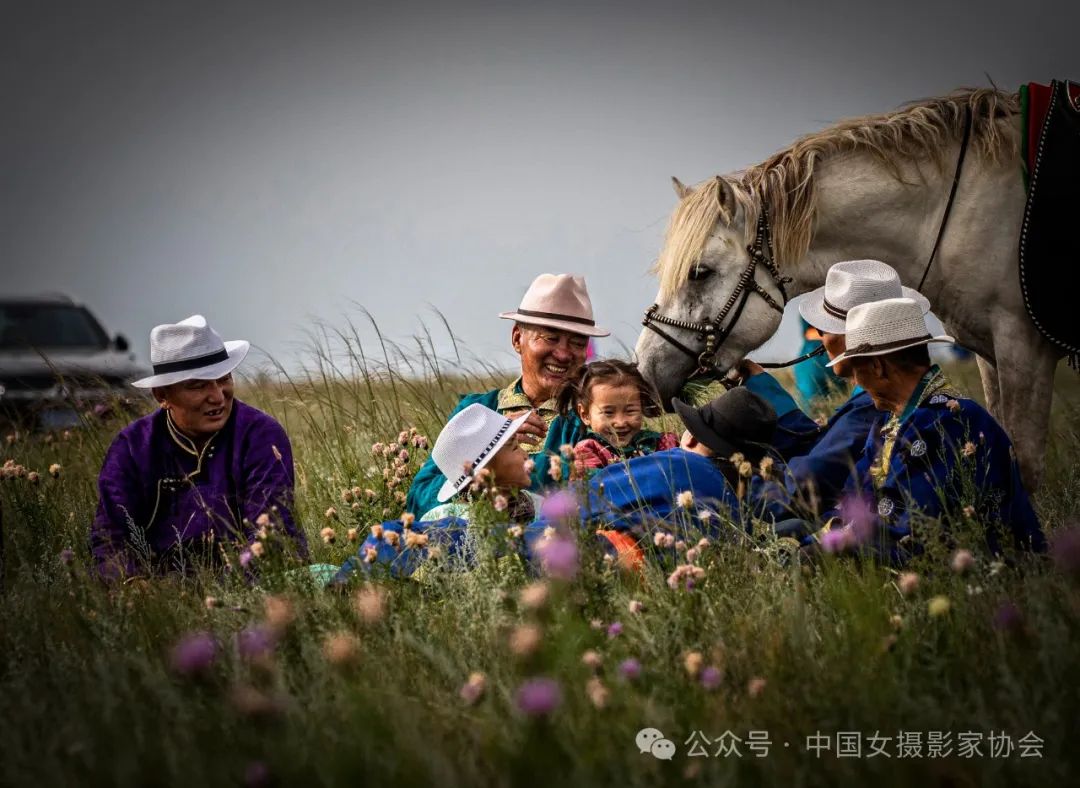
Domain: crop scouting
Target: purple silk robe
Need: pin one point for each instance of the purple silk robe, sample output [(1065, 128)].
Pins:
[(150, 508)]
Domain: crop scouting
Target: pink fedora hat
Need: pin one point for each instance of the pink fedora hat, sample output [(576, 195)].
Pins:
[(558, 301)]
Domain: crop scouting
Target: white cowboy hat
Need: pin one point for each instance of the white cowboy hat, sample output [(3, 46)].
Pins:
[(882, 327), (468, 442), (190, 350), (558, 301), (849, 284)]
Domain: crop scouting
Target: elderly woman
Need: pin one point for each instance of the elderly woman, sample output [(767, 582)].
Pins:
[(551, 333), (202, 470)]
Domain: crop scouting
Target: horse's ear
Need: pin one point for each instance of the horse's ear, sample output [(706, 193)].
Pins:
[(681, 189), (725, 195)]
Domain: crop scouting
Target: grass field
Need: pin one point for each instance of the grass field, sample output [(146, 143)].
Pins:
[(285, 684)]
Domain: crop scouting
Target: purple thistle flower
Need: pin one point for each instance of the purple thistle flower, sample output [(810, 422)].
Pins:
[(67, 555), (558, 558), (1065, 549), (630, 669), (538, 697), (1008, 618), (859, 513), (245, 558), (836, 540), (194, 653), (561, 505), (614, 629), (255, 642), (711, 677)]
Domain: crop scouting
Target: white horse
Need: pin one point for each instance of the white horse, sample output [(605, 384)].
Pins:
[(871, 187)]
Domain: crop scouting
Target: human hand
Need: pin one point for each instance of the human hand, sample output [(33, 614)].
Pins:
[(534, 427), (748, 368), (742, 372)]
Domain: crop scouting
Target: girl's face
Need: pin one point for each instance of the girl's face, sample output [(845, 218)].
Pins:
[(508, 466), (614, 411)]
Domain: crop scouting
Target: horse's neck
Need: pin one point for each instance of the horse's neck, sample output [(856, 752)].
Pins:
[(865, 211)]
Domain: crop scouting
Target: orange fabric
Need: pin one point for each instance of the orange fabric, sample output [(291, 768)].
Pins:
[(630, 555)]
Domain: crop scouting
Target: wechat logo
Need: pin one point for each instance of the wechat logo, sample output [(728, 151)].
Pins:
[(652, 741)]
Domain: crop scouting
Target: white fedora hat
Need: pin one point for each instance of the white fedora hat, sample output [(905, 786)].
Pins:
[(881, 327), (558, 301), (190, 350), (468, 442), (849, 284)]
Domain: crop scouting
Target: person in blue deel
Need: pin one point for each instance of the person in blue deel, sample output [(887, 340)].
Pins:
[(821, 457), (813, 379), (934, 455)]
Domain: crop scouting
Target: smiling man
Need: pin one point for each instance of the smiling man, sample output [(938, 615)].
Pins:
[(199, 472), (551, 333)]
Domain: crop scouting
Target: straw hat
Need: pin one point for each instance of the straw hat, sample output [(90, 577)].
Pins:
[(190, 350), (470, 440), (558, 301), (849, 284), (883, 327)]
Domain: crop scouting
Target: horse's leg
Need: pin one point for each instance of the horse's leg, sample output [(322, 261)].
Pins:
[(1025, 370), (991, 387)]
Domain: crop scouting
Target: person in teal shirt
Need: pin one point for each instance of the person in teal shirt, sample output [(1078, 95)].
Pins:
[(551, 332)]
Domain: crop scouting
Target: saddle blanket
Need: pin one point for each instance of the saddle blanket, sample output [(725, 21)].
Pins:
[(1049, 243)]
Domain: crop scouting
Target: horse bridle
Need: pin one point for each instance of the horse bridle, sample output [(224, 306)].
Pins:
[(714, 332)]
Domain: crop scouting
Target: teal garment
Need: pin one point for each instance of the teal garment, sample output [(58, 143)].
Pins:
[(768, 388), (564, 430), (812, 378)]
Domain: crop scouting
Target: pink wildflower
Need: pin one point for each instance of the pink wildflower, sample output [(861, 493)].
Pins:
[(630, 669), (538, 697), (962, 561), (908, 582), (473, 689), (194, 653), (558, 558)]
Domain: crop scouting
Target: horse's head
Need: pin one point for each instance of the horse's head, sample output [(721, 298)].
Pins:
[(706, 250)]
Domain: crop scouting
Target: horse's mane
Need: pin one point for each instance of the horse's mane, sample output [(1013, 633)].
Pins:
[(917, 131)]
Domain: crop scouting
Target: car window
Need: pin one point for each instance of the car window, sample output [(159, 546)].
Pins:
[(49, 326)]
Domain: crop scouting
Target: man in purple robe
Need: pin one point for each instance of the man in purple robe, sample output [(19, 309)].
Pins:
[(203, 477)]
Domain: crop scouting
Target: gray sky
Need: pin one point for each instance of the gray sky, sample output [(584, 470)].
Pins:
[(269, 164)]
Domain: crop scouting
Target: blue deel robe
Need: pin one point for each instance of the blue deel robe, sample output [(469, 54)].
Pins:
[(636, 496), (642, 493), (562, 430), (819, 457), (945, 457)]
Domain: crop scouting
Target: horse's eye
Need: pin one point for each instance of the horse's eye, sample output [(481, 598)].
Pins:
[(699, 272)]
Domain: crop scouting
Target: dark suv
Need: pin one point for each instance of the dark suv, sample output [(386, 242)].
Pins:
[(56, 361)]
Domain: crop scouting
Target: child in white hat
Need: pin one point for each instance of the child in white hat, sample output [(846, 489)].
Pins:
[(478, 451)]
